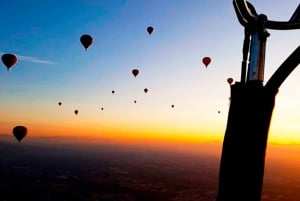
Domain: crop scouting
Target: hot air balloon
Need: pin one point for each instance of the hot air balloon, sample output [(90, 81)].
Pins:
[(102, 108), (59, 103), (172, 106), (9, 60), (150, 30), (135, 72), (219, 111), (76, 112), (145, 90), (229, 80), (19, 132), (134, 101), (206, 61), (113, 91), (86, 40)]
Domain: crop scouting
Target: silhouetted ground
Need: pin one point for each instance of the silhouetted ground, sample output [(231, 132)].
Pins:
[(114, 173)]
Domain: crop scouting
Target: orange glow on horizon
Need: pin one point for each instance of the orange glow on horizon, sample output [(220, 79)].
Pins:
[(131, 131)]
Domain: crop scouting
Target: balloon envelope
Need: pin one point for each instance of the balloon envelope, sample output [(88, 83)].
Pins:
[(229, 80), (135, 72), (76, 112), (206, 61), (86, 40), (59, 103), (145, 90), (9, 60), (19, 132), (150, 30)]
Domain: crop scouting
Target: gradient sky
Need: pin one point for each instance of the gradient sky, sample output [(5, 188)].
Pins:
[(53, 66)]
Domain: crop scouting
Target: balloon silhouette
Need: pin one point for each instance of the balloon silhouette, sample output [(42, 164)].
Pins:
[(113, 91), (86, 40), (19, 132), (135, 72), (172, 106), (150, 30), (206, 61), (102, 108), (59, 103), (9, 60), (145, 90), (134, 101), (229, 80), (76, 112)]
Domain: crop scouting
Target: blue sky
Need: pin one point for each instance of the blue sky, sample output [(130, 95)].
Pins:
[(53, 65)]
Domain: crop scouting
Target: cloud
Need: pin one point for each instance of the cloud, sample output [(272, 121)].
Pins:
[(33, 59)]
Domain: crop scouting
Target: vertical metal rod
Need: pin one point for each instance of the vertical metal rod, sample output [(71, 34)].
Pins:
[(254, 58), (258, 50), (245, 56)]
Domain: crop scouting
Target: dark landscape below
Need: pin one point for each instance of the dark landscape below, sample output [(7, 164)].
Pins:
[(101, 172)]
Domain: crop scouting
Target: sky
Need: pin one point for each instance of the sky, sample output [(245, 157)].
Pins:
[(53, 67)]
